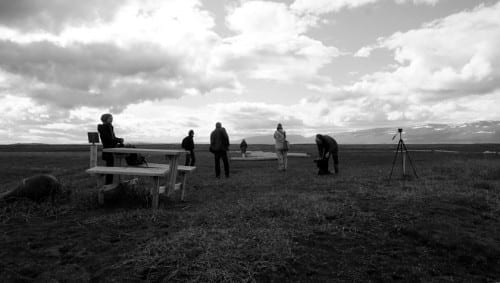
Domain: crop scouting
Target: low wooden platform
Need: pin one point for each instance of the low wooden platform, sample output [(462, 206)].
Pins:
[(265, 155)]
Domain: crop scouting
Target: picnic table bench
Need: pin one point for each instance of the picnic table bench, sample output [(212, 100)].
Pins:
[(155, 173)]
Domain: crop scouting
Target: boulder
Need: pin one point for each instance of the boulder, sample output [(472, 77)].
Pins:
[(36, 188)]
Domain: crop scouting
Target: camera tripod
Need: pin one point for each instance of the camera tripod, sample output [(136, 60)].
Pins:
[(404, 152)]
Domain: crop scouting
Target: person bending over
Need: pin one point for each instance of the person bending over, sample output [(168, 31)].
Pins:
[(327, 146)]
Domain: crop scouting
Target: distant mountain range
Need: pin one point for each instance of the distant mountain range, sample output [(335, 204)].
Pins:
[(475, 132)]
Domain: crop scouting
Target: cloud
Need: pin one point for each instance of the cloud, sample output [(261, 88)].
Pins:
[(241, 119), (256, 118), (154, 50), (365, 51), (61, 67), (319, 7), (147, 51), (441, 69), (51, 15), (418, 2), (102, 74), (446, 58), (270, 43), (326, 6)]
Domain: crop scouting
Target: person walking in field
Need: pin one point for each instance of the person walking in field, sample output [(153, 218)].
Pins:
[(243, 148), (188, 145), (109, 140), (281, 146), (219, 145), (327, 146)]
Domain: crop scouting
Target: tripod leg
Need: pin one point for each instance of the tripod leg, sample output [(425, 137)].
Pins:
[(394, 160), (409, 158), (403, 159)]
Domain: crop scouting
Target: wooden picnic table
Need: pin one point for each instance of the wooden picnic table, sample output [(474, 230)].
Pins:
[(155, 173), (171, 156)]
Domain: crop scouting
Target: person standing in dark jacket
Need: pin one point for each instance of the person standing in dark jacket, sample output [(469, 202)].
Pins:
[(243, 148), (219, 145), (109, 140), (188, 145), (327, 146)]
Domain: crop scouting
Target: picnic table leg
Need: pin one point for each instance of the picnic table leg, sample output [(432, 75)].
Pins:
[(156, 189), (93, 155), (172, 174), (100, 188), (183, 185), (117, 163)]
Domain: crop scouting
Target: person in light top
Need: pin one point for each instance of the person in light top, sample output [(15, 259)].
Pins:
[(281, 146)]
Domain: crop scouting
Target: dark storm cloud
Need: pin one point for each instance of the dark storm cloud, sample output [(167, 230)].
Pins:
[(54, 15), (79, 65), (100, 74)]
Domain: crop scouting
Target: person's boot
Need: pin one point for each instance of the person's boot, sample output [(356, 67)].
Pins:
[(336, 167)]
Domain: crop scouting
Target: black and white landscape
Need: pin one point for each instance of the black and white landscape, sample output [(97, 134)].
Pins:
[(115, 114)]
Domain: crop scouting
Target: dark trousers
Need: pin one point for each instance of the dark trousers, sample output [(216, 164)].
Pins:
[(322, 166), (218, 155), (110, 162), (190, 159), (335, 157)]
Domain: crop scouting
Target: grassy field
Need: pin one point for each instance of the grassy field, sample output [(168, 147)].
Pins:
[(261, 224)]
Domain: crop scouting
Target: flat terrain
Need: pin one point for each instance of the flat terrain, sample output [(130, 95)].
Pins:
[(261, 224)]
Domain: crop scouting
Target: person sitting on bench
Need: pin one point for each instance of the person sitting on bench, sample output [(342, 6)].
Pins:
[(109, 140)]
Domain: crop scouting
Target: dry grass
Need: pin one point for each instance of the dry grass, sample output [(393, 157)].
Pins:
[(263, 225)]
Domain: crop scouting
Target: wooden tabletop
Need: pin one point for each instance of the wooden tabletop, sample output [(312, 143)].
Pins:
[(144, 151)]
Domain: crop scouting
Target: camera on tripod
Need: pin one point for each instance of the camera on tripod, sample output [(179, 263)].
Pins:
[(404, 154)]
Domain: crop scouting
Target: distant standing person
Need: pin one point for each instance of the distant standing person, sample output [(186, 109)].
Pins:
[(327, 146), (281, 146), (243, 148), (188, 145), (109, 140), (219, 145)]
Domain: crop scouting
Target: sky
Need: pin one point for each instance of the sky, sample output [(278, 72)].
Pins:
[(163, 67)]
